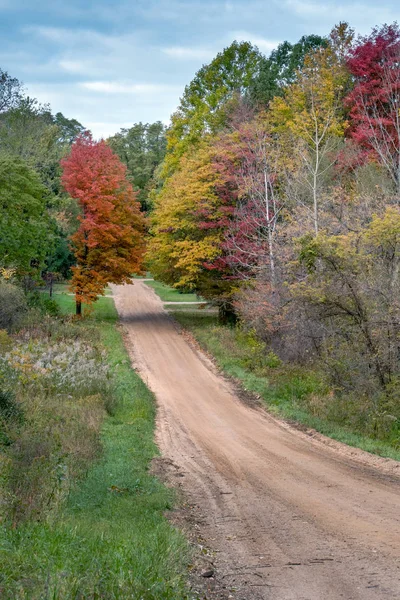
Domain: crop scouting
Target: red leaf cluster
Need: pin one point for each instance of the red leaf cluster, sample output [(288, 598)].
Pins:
[(109, 243), (375, 98)]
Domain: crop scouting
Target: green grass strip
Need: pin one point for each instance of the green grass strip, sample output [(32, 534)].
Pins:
[(168, 294)]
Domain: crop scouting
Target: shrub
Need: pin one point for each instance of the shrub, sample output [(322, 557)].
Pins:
[(13, 305), (9, 409), (43, 303)]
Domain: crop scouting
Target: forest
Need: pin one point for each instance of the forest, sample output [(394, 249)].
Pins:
[(273, 195)]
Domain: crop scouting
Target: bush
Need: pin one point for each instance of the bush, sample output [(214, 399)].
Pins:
[(13, 305), (9, 409), (43, 303)]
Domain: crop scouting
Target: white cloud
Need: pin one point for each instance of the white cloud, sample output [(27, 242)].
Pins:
[(101, 129), (262, 44), (74, 66), (115, 87), (183, 53)]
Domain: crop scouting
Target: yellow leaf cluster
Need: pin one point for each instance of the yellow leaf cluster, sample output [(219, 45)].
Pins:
[(179, 245)]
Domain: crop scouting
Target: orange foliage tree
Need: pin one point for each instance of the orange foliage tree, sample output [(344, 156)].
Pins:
[(109, 243)]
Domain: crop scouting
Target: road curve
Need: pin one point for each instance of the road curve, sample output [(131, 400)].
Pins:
[(289, 519)]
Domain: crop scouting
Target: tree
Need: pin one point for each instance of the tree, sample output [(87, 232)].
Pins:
[(205, 102), (10, 91), (375, 100), (69, 129), (310, 117), (29, 131), (109, 243), (250, 157), (26, 230), (189, 222), (142, 149), (281, 68), (353, 287)]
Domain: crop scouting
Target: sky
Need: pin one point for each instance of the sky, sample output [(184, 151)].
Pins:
[(112, 64)]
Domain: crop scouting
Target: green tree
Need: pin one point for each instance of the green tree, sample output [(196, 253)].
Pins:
[(29, 131), (69, 129), (207, 100), (142, 149), (10, 91), (26, 230), (280, 69)]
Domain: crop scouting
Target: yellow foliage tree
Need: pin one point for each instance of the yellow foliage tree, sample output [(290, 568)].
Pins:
[(309, 118), (188, 227)]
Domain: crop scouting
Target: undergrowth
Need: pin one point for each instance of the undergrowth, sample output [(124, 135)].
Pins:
[(294, 392), (82, 518)]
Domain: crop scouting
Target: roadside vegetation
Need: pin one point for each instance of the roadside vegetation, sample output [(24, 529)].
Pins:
[(291, 391), (81, 517)]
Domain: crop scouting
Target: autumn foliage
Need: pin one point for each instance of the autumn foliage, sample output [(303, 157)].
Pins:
[(287, 214), (109, 242), (374, 100)]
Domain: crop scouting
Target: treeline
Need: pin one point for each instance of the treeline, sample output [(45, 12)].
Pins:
[(278, 200), (35, 214), (38, 218)]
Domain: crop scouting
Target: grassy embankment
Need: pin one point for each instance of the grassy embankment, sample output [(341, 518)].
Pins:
[(288, 391), (107, 537)]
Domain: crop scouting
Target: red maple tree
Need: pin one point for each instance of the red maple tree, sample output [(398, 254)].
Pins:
[(109, 243), (244, 158), (374, 101)]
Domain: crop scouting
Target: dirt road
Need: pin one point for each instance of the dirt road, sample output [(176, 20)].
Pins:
[(290, 518)]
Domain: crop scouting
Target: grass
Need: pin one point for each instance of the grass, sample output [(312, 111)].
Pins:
[(288, 391), (62, 288), (110, 539), (202, 308), (168, 294)]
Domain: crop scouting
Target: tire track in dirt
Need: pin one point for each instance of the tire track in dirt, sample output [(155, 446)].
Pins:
[(289, 518)]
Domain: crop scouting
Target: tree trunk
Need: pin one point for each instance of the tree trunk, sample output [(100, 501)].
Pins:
[(78, 308), (269, 230)]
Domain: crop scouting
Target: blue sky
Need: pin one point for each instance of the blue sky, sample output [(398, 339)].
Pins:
[(110, 64)]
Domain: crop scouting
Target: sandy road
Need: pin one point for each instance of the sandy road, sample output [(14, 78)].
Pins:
[(290, 518)]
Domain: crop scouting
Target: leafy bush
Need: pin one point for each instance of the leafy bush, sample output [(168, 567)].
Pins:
[(43, 303), (13, 305)]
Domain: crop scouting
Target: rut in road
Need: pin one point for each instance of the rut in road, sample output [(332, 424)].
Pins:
[(289, 518)]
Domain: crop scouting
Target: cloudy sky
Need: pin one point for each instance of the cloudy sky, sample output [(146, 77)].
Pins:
[(112, 63)]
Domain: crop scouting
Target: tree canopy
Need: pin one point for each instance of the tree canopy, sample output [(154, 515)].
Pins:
[(108, 244), (142, 149), (203, 106), (280, 68), (26, 230)]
